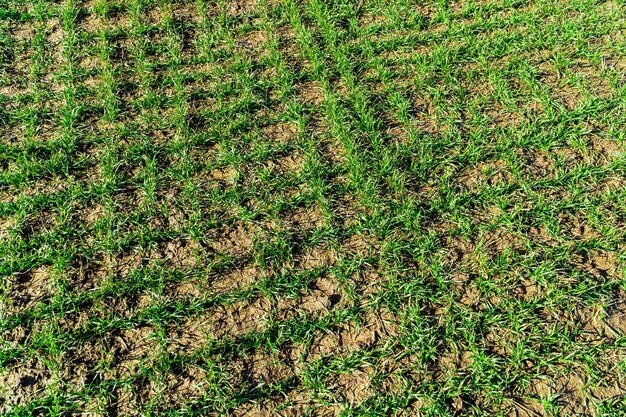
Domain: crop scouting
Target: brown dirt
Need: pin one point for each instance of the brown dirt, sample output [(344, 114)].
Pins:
[(238, 279), (132, 348), (186, 12), (397, 133), (563, 93), (240, 318), (360, 245), (295, 404), (332, 151), (595, 84), (615, 321), (121, 264), (320, 256), (348, 210), (604, 150), (353, 387), (541, 235), (368, 19), (486, 173), (234, 240), (572, 391), (311, 92), (243, 7), (323, 296), (189, 335), (538, 164), (30, 287), (253, 41), (180, 254), (454, 363), (374, 331), (20, 385), (601, 264), (39, 187), (290, 163), (6, 225), (306, 218), (498, 116), (267, 368), (424, 116), (280, 133)]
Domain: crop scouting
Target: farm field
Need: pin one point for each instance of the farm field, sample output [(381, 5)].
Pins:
[(312, 208)]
